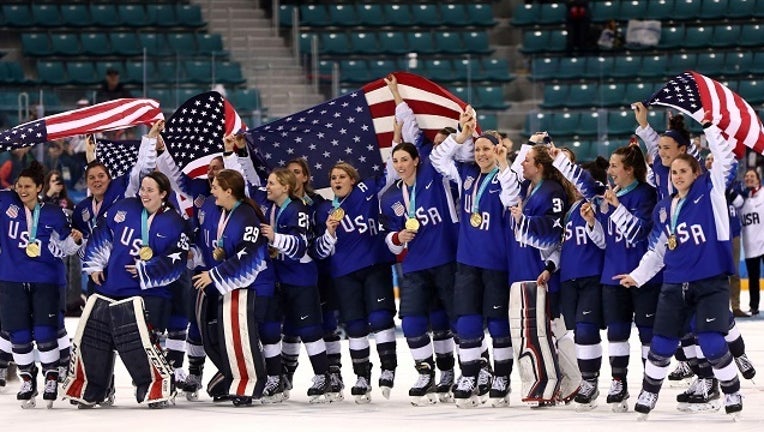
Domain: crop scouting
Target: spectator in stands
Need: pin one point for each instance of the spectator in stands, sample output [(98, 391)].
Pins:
[(578, 23), (59, 158), (611, 37), (54, 192), (111, 88), (11, 164)]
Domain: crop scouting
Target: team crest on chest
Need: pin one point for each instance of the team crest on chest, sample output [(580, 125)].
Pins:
[(398, 208), (201, 217), (199, 200), (85, 215), (468, 182), (663, 215), (120, 216), (13, 211)]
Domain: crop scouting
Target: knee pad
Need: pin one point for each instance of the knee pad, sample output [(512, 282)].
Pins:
[(498, 328), (713, 345), (587, 334), (646, 335), (20, 337), (270, 332), (663, 346), (381, 320), (618, 331), (329, 321), (357, 328), (470, 327), (177, 323), (414, 326), (439, 320), (310, 333)]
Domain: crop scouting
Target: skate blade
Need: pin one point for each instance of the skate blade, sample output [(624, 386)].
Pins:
[(318, 399), (335, 397), (428, 399), (500, 402), (682, 383), (49, 404), (620, 407), (446, 397), (385, 392), (736, 416), (697, 408), (29, 404), (363, 399), (642, 417), (277, 398), (470, 402), (583, 407), (192, 396)]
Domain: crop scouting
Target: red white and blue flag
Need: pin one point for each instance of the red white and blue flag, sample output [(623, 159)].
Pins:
[(694, 94), (103, 117), (352, 128)]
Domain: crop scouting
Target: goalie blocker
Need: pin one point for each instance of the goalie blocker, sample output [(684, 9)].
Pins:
[(229, 329), (107, 325), (533, 344)]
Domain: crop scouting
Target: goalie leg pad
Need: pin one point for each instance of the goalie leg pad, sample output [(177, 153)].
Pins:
[(242, 346), (91, 364), (532, 342), (207, 318), (142, 357)]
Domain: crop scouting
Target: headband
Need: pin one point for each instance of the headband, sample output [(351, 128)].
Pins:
[(490, 138), (678, 137)]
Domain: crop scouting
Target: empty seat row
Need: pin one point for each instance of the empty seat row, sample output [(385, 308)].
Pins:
[(719, 63), (623, 94), (616, 122), (163, 72), (122, 44), (101, 15), (390, 14), (243, 100), (438, 70), (394, 42), (529, 14), (679, 36), (11, 73)]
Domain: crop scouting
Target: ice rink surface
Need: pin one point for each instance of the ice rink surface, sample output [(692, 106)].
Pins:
[(395, 414)]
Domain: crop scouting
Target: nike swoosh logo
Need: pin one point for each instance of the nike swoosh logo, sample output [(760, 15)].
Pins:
[(161, 235), (51, 315), (586, 312), (494, 191), (380, 300), (696, 200), (710, 319), (428, 185), (495, 307), (302, 317), (48, 227), (368, 198), (649, 315)]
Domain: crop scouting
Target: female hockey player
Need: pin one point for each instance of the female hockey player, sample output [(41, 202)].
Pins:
[(349, 235), (37, 237), (691, 231), (137, 249), (420, 216)]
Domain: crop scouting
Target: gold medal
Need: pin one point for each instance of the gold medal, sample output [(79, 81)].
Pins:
[(218, 254), (412, 224), (145, 253), (273, 252), (337, 214), (476, 219), (672, 243), (33, 250)]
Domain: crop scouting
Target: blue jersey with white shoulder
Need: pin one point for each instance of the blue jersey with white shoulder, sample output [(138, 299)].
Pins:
[(580, 256), (539, 230), (52, 236), (116, 241), (359, 242), (435, 241), (291, 225), (87, 212)]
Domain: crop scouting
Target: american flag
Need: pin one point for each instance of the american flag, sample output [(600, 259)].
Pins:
[(352, 128), (694, 94), (119, 157), (194, 133), (107, 116)]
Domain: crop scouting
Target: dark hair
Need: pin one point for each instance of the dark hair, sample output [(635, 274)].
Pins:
[(694, 164), (308, 186), (571, 153), (597, 168), (349, 170), (678, 131), (164, 185), (35, 172), (632, 157), (448, 130), (96, 164), (233, 180), (408, 148), (286, 178), (64, 194), (543, 158)]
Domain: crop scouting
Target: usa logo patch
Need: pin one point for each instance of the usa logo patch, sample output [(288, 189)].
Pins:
[(120, 216), (12, 211), (201, 217), (468, 182), (663, 215), (199, 200), (85, 215), (398, 208)]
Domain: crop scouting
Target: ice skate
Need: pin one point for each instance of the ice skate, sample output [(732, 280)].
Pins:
[(3, 377), (618, 396), (63, 371), (645, 403), (274, 390), (287, 379), (586, 399), (499, 393), (361, 391), (446, 383), (180, 379), (733, 405), (28, 390), (386, 381), (192, 386), (706, 396), (50, 391), (335, 385), (423, 392), (465, 394), (318, 390), (683, 399), (484, 379), (681, 375), (745, 366)]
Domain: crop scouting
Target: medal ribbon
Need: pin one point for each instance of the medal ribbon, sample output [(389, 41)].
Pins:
[(410, 201), (275, 217), (33, 217), (627, 189), (96, 207), (476, 198), (145, 227), (222, 222), (676, 206)]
